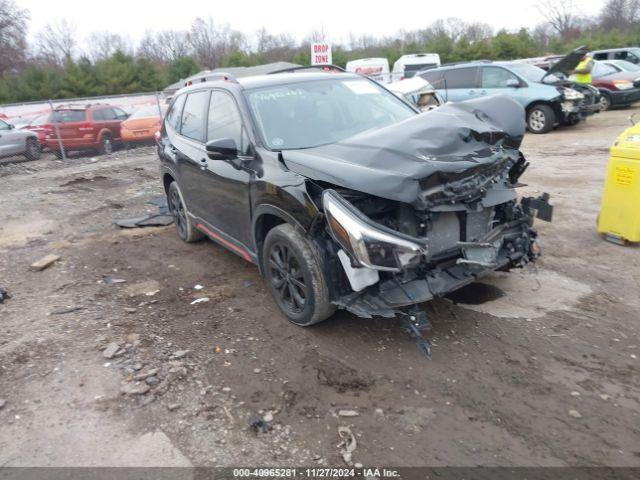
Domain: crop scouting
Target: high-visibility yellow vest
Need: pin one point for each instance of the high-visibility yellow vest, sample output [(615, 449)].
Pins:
[(583, 77)]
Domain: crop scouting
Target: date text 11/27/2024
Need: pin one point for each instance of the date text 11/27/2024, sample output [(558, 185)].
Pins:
[(315, 472)]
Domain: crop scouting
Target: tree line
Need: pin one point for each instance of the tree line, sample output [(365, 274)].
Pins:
[(55, 65)]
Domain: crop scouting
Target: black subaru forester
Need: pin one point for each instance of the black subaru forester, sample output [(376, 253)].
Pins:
[(344, 195)]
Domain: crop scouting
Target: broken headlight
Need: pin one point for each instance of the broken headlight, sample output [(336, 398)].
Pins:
[(372, 245)]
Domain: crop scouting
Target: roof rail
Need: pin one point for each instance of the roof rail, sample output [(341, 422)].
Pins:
[(325, 67), (209, 77)]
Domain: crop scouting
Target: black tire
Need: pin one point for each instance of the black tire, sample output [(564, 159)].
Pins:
[(604, 102), (293, 272), (106, 145), (541, 119), (184, 225), (32, 150)]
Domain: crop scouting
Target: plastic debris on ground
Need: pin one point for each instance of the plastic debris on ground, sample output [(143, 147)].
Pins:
[(160, 219), (347, 445)]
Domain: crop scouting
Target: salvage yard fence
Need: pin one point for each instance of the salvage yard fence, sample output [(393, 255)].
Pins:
[(37, 117)]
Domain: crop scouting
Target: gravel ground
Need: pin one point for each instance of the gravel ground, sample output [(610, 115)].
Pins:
[(105, 359)]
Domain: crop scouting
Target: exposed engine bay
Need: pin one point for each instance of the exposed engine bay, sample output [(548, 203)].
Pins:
[(416, 220)]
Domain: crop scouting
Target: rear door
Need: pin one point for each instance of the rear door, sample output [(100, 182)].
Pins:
[(188, 149), (460, 84)]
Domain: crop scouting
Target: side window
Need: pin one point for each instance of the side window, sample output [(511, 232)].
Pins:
[(495, 77), (193, 115), (225, 120), (98, 115), (461, 77), (4, 125), (107, 114), (435, 78), (620, 55), (120, 114), (600, 56), (175, 113)]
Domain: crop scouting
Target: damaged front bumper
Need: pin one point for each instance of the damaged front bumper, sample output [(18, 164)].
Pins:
[(389, 293)]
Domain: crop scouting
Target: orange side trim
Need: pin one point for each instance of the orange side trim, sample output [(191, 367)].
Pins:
[(228, 244)]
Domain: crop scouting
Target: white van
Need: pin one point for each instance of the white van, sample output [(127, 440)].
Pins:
[(407, 65), (376, 68)]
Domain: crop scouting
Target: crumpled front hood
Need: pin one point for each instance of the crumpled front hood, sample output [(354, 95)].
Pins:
[(568, 63), (391, 162)]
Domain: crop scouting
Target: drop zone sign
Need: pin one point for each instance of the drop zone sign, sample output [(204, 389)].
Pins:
[(321, 54)]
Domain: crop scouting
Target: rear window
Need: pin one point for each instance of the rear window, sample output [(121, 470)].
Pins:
[(194, 114), (68, 116), (175, 114)]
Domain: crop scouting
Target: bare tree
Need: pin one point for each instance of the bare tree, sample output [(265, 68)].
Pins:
[(13, 42), (620, 14), (562, 15), (165, 46), (543, 33), (272, 48), (56, 43), (211, 42), (102, 45), (476, 31), (317, 35)]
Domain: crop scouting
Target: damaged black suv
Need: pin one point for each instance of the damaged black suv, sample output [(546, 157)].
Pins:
[(344, 195)]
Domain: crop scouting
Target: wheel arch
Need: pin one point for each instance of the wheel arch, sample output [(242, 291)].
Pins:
[(549, 103), (265, 218), (102, 133), (167, 179)]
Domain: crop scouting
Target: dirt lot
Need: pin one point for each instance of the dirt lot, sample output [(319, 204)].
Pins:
[(537, 367)]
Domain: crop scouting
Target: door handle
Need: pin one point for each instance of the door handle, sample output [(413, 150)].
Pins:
[(472, 92)]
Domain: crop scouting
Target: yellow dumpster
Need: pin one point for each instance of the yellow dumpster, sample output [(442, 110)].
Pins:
[(619, 218)]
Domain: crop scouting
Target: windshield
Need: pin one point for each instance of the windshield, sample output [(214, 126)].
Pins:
[(313, 113), (626, 66), (148, 111), (532, 73)]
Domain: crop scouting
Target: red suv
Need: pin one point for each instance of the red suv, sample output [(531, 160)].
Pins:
[(87, 127)]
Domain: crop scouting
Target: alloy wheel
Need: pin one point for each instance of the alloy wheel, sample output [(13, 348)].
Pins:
[(537, 120), (107, 146), (178, 212), (33, 151), (604, 103), (287, 278)]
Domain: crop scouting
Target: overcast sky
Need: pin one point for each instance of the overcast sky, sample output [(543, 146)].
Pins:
[(298, 17)]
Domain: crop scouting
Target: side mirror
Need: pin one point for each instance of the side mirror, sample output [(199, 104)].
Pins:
[(11, 126), (222, 149), (512, 82)]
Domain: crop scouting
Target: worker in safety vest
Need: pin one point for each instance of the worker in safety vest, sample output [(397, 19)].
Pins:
[(583, 70)]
